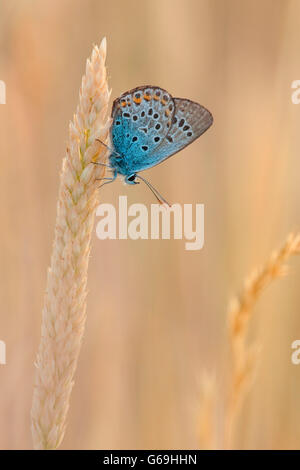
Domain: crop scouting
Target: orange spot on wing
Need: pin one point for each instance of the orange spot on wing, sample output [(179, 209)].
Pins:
[(123, 104), (167, 112), (147, 97), (163, 102), (137, 100)]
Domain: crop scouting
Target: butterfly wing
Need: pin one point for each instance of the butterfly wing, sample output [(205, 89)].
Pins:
[(189, 122), (142, 117)]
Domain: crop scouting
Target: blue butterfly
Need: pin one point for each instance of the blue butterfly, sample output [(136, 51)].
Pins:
[(149, 126)]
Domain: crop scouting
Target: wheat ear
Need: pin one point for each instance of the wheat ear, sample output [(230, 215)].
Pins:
[(64, 312), (239, 312)]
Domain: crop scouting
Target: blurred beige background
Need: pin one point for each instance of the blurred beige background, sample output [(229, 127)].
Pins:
[(156, 313)]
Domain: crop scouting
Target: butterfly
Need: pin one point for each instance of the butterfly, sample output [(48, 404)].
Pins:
[(149, 126)]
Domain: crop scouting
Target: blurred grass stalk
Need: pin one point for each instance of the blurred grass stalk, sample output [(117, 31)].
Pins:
[(64, 312), (245, 357)]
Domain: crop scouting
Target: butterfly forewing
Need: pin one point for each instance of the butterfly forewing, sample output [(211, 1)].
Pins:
[(190, 121)]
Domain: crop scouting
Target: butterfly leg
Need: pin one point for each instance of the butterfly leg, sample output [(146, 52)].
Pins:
[(101, 164), (109, 180), (108, 148)]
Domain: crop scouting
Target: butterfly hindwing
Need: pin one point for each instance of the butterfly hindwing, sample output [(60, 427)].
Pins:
[(142, 118)]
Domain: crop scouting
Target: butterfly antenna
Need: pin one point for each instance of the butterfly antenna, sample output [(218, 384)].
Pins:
[(158, 196)]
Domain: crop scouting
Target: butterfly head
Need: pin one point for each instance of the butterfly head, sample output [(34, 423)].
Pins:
[(131, 179)]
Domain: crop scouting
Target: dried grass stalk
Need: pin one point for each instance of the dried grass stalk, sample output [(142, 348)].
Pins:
[(207, 425), (244, 358), (64, 312)]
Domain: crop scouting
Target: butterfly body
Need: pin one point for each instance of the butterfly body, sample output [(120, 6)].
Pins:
[(149, 126)]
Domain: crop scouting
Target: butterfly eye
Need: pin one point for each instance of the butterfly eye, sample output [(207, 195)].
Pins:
[(126, 115), (150, 112), (135, 118), (186, 128), (142, 113), (189, 134), (145, 148), (157, 127), (131, 178), (156, 139), (118, 123), (181, 122), (155, 116), (174, 120), (134, 139), (169, 138)]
